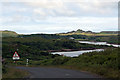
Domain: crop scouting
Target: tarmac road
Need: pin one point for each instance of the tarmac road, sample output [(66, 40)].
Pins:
[(43, 72)]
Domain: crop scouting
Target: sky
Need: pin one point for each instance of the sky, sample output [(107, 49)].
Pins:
[(57, 16)]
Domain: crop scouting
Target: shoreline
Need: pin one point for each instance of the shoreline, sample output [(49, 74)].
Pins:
[(99, 42), (69, 50)]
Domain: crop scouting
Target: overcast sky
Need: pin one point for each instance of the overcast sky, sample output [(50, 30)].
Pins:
[(55, 16)]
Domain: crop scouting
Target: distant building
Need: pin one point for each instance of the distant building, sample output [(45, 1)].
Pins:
[(71, 38)]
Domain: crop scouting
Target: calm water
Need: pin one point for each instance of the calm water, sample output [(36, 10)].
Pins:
[(99, 43), (75, 53)]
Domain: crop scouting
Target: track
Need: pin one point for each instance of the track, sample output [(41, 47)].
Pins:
[(43, 72)]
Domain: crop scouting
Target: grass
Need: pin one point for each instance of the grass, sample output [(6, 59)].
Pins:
[(81, 39), (8, 34), (88, 34), (15, 73)]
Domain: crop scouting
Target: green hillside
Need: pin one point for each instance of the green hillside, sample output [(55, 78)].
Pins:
[(8, 34)]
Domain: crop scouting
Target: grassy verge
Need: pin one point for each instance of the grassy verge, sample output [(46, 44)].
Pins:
[(15, 73)]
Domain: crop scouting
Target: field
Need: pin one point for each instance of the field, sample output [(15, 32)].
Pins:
[(88, 34)]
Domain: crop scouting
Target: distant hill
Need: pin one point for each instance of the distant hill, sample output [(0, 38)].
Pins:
[(109, 32), (80, 31), (90, 33), (7, 33)]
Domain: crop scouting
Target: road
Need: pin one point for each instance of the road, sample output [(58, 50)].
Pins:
[(43, 72)]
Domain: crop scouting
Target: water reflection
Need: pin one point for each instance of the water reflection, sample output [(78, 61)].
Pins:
[(99, 43), (75, 53)]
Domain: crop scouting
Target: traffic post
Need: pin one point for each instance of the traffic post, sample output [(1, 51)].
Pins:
[(27, 62)]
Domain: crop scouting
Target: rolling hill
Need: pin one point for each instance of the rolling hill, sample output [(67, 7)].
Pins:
[(90, 33), (7, 33)]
